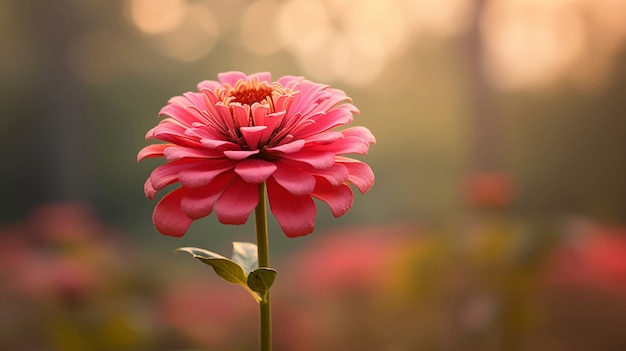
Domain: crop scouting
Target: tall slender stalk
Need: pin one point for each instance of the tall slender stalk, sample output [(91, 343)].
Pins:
[(260, 216)]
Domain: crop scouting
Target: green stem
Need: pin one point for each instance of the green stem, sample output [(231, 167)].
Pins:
[(260, 216)]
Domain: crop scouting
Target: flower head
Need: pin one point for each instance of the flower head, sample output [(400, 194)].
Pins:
[(240, 131)]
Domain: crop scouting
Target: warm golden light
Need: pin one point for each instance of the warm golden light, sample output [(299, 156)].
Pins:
[(343, 40), (527, 43), (437, 17), (154, 17), (303, 25), (178, 29), (257, 31), (531, 43)]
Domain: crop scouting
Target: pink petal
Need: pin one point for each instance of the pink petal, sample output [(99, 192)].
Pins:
[(176, 153), (236, 202), (224, 116), (283, 102), (326, 121), (337, 100), (199, 202), (336, 175), (360, 132), (202, 132), (295, 214), (294, 146), (205, 173), (240, 115), (239, 154), (197, 100), (231, 78), (258, 112), (361, 174), (219, 144), (168, 218), (255, 170), (154, 150), (184, 115), (149, 190), (317, 159), (252, 135), (305, 101), (290, 81), (324, 138), (209, 85), (346, 145), (339, 198), (293, 179), (171, 132), (272, 121), (168, 173), (261, 76)]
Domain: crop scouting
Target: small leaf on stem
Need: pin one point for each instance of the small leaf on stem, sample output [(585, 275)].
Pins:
[(224, 267), (261, 279), (245, 254)]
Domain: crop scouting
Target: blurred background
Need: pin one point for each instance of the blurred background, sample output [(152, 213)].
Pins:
[(497, 221)]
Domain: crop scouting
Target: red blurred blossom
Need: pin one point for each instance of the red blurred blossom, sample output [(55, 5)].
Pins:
[(338, 278), (355, 260), (61, 250), (594, 257), (231, 135), (208, 314), (489, 189)]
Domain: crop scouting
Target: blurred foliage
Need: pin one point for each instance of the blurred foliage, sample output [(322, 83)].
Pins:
[(82, 83), (68, 281)]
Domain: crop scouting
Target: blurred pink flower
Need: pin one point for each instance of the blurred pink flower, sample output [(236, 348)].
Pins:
[(351, 260), (489, 189), (244, 130), (595, 259), (207, 314)]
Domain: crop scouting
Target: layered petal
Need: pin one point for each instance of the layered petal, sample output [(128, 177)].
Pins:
[(316, 159), (186, 116), (204, 173), (176, 153), (253, 135), (293, 179), (237, 202), (233, 134), (231, 78), (167, 174), (239, 155), (168, 216), (360, 174), (361, 133), (338, 197), (255, 170), (199, 202), (154, 150), (295, 213)]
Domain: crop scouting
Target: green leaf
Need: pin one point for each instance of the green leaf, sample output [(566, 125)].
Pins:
[(261, 279), (245, 254), (224, 267)]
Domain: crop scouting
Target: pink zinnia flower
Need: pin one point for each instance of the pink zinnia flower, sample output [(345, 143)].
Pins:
[(232, 135)]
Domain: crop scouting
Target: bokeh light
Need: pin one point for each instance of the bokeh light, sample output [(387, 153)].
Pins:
[(257, 29), (154, 17), (531, 43), (183, 30)]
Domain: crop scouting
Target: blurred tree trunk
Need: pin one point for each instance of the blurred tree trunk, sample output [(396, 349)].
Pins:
[(55, 23), (485, 147)]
